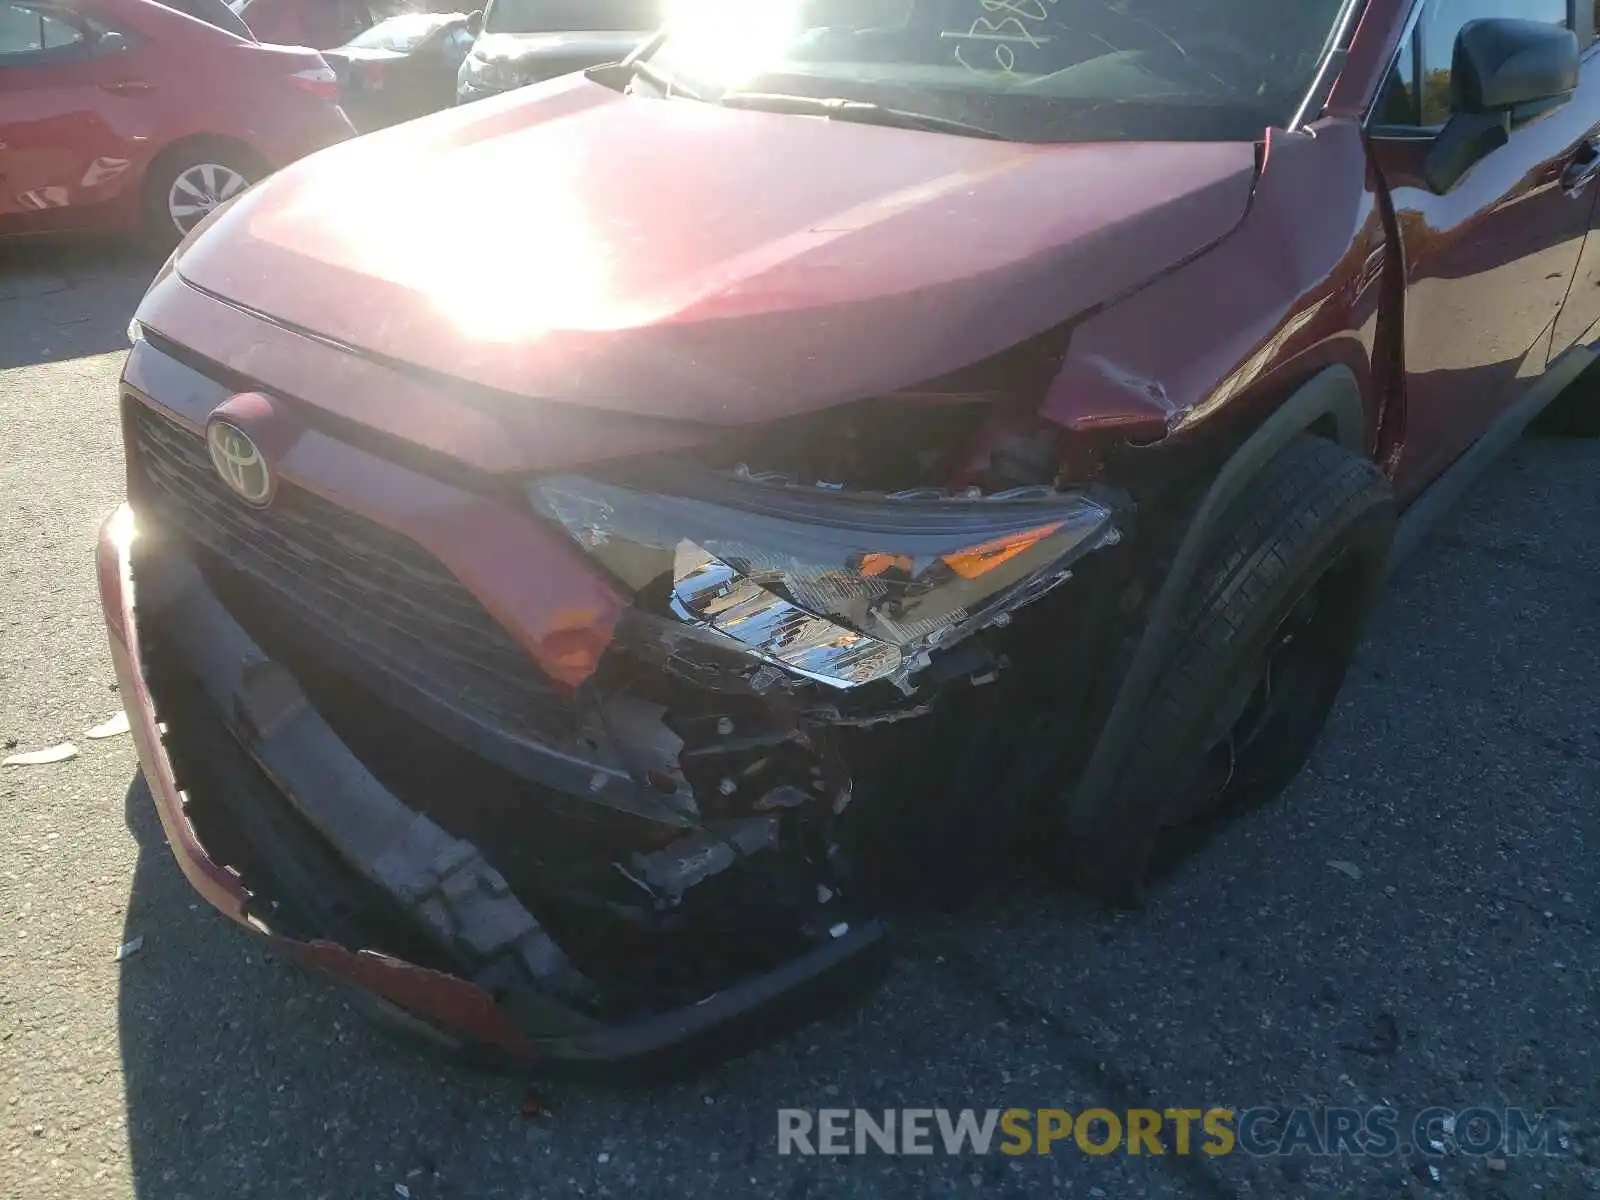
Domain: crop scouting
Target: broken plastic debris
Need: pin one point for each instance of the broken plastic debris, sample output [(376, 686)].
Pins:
[(129, 949), (402, 1191), (782, 796), (110, 727), (1345, 868), (37, 758), (681, 865)]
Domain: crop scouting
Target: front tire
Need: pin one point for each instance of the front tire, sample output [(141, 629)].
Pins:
[(1253, 670), (184, 187)]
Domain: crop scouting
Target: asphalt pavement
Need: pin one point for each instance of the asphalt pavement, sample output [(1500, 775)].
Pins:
[(1412, 925)]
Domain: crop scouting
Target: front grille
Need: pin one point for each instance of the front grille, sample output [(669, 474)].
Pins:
[(352, 582)]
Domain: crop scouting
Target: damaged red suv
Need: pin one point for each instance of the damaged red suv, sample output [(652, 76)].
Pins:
[(845, 443)]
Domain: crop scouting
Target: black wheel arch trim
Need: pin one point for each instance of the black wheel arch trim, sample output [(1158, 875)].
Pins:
[(1333, 396)]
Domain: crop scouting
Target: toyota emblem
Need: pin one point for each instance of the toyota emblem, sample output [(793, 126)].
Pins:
[(239, 462)]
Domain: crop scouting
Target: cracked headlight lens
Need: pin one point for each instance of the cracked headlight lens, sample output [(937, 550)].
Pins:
[(840, 588)]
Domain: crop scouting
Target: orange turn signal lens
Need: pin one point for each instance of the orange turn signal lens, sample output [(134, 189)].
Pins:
[(980, 560), (877, 563)]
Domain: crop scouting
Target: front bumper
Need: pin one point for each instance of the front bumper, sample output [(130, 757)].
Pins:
[(239, 734)]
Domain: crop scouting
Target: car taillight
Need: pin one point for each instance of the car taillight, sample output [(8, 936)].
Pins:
[(319, 81)]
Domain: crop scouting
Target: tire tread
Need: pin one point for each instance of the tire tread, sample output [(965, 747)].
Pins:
[(1298, 511)]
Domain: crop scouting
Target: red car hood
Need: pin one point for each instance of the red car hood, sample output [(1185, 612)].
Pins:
[(679, 259)]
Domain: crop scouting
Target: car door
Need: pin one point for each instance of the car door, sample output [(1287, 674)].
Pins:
[(1488, 264), (64, 91), (1580, 315), (453, 51), (440, 63)]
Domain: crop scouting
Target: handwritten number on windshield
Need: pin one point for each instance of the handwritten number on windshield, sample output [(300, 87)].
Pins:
[(1019, 25)]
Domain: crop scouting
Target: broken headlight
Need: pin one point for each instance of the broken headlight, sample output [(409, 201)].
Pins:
[(840, 588)]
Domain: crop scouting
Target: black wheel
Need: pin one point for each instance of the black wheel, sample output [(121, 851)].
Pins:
[(1263, 647), (1576, 412), (185, 185)]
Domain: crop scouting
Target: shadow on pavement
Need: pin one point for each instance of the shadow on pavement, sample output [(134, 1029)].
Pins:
[(245, 1076), (63, 298)]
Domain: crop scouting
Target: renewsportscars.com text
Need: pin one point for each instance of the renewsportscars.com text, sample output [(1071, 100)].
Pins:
[(1259, 1132)]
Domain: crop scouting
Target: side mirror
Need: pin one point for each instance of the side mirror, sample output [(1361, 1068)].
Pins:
[(1500, 64), (475, 22)]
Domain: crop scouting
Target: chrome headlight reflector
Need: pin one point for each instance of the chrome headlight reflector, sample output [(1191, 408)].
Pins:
[(838, 588)]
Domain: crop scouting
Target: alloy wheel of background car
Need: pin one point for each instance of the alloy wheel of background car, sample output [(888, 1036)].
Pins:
[(199, 189), (189, 181), (1255, 669)]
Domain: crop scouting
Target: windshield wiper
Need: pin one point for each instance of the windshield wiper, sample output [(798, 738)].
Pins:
[(867, 113), (669, 85)]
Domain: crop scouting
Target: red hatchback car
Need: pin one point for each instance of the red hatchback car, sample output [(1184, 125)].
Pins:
[(127, 115), (833, 449)]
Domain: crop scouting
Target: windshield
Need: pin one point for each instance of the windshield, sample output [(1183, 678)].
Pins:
[(569, 16), (1030, 70), (404, 34)]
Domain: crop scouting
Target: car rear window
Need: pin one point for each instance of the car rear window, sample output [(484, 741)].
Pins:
[(213, 12)]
